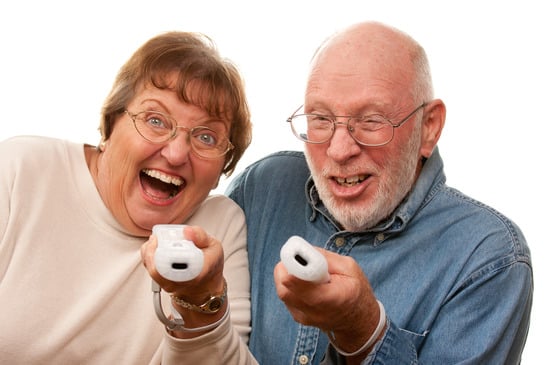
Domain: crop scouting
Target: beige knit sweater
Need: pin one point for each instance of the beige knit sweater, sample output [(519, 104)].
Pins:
[(72, 286)]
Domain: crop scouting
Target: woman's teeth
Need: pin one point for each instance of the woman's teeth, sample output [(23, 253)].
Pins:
[(177, 181)]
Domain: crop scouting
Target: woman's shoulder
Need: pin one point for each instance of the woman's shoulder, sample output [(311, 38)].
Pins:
[(33, 144), (218, 215), (217, 203)]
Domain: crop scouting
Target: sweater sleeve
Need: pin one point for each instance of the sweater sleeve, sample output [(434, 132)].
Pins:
[(6, 181), (227, 344), (223, 345)]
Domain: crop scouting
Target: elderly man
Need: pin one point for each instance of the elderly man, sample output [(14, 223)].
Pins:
[(419, 272)]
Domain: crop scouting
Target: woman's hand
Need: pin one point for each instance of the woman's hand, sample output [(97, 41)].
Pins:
[(198, 290)]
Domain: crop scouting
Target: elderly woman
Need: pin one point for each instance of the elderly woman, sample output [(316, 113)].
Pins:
[(75, 271)]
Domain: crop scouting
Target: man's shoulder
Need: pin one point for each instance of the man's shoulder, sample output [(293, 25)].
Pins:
[(288, 161), (282, 157), (279, 171), (475, 223)]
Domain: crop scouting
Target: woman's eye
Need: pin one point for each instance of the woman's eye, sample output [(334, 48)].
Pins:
[(207, 139), (158, 122)]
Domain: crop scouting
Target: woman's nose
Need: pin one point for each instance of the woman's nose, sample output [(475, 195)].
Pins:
[(178, 149)]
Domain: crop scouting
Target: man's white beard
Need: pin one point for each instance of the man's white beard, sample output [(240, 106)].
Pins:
[(397, 179)]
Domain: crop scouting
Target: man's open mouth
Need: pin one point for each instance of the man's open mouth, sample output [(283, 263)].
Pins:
[(159, 185)]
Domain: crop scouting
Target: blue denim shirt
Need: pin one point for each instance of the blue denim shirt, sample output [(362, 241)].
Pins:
[(453, 274)]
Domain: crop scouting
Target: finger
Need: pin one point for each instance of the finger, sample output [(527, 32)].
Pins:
[(197, 235), (147, 250), (280, 272), (290, 289)]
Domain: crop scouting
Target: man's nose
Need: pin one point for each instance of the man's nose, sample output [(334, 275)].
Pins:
[(342, 145)]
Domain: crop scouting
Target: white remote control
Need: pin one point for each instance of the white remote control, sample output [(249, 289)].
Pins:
[(302, 260), (176, 258)]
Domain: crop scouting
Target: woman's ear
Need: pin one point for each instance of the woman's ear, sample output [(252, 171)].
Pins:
[(102, 145), (433, 121)]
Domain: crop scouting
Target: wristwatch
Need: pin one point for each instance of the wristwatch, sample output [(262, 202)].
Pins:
[(211, 306)]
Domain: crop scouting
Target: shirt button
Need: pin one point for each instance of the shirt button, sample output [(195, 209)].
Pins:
[(339, 241), (303, 359)]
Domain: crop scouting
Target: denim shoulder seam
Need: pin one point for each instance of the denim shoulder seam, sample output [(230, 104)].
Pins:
[(517, 247)]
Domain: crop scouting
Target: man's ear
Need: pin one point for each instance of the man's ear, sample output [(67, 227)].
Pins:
[(433, 121)]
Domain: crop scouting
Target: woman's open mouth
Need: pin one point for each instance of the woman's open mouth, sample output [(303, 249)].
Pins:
[(159, 185)]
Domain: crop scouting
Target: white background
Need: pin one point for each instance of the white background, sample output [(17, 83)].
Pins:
[(488, 58)]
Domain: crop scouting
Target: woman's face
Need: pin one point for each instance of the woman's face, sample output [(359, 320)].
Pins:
[(144, 183)]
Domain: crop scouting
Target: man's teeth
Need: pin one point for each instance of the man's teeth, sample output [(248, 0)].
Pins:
[(350, 181), (163, 177)]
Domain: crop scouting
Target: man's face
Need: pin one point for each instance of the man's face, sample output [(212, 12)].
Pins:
[(359, 185), (363, 185)]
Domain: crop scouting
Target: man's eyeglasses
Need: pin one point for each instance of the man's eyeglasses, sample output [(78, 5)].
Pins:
[(158, 127), (368, 130)]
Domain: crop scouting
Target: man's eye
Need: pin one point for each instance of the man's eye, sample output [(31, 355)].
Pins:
[(369, 123), (319, 122)]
